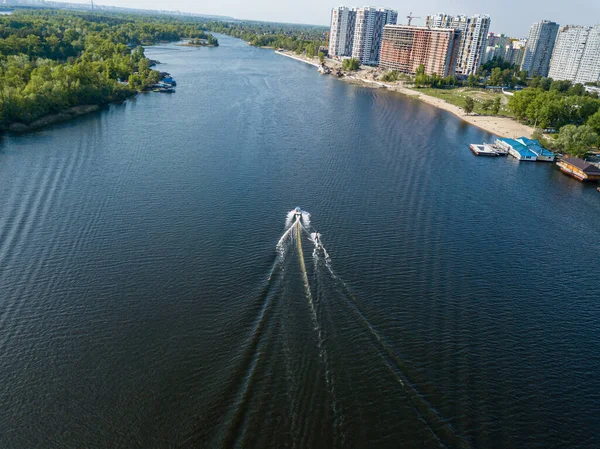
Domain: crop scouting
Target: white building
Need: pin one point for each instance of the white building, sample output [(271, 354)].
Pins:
[(589, 69), (341, 32), (440, 20), (472, 48), (576, 55), (498, 46), (540, 44), (474, 31), (568, 50), (516, 51), (368, 32)]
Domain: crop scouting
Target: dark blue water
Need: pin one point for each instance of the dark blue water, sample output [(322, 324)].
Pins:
[(143, 302)]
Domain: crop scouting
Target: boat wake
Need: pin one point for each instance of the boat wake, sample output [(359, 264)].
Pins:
[(304, 312)]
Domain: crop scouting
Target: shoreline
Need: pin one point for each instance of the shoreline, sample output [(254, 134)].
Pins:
[(50, 119), (500, 126)]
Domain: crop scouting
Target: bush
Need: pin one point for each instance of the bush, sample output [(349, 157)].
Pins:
[(350, 64)]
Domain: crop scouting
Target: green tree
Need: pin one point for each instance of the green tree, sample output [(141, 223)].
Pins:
[(496, 106), (469, 105), (576, 140), (487, 105), (495, 77), (420, 70), (522, 77), (537, 134), (391, 76), (594, 123), (350, 64), (471, 80), (322, 57), (421, 80)]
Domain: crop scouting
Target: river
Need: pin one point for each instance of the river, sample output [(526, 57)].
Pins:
[(144, 304)]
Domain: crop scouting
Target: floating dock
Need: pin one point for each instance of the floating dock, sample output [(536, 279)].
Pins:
[(488, 149), (535, 147), (579, 169)]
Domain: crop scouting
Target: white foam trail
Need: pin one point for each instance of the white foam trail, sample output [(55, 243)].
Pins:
[(289, 218), (306, 218), (284, 236), (319, 247)]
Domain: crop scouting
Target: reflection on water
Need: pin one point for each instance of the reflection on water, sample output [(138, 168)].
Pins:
[(144, 302)]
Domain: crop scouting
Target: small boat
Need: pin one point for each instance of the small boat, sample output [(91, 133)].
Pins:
[(298, 212), (483, 150)]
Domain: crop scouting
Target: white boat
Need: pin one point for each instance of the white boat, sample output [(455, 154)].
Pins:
[(483, 150), (298, 212)]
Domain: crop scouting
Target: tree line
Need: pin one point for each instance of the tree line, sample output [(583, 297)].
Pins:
[(296, 38), (54, 60), (544, 103)]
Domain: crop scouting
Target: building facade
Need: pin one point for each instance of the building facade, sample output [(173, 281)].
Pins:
[(540, 45), (474, 31), (516, 51), (589, 68), (341, 32), (404, 48), (368, 32), (440, 20), (568, 51), (497, 47), (473, 43)]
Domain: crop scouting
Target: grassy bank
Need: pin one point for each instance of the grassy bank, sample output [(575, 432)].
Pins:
[(457, 95)]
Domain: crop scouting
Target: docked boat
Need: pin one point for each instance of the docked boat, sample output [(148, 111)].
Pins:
[(536, 148), (579, 169), (483, 150), (516, 149)]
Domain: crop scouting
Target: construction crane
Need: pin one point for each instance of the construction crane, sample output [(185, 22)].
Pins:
[(410, 17)]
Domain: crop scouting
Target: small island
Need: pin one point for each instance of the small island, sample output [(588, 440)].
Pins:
[(209, 41)]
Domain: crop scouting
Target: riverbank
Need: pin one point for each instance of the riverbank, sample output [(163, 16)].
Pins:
[(498, 125), (50, 119)]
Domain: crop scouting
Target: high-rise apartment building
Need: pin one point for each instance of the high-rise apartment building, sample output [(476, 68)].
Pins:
[(516, 51), (368, 31), (474, 31), (472, 48), (576, 55), (497, 47), (540, 44), (341, 33), (567, 53), (357, 32), (405, 48), (589, 68), (439, 20)]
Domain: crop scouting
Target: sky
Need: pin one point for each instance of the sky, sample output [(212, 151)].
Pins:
[(512, 17)]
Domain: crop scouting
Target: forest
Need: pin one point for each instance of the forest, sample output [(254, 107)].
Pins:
[(296, 38), (53, 60)]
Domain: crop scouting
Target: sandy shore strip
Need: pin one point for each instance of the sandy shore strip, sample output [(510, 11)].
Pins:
[(298, 58), (497, 125)]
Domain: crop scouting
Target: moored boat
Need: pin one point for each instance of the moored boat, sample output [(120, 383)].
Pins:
[(483, 150)]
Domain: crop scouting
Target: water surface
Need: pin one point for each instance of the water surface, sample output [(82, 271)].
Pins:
[(143, 303)]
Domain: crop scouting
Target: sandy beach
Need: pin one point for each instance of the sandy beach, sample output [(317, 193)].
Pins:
[(497, 125)]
